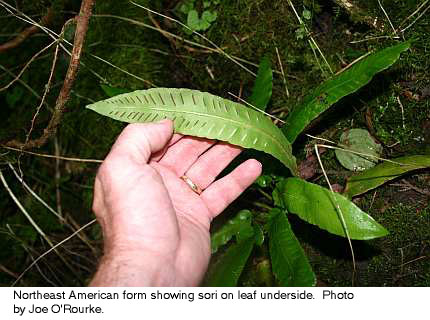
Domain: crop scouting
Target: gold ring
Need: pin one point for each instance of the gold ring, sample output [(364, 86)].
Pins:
[(192, 185)]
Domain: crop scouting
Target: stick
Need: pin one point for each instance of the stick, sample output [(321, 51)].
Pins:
[(27, 32), (81, 31)]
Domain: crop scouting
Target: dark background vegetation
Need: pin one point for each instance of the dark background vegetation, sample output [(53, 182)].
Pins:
[(247, 29)]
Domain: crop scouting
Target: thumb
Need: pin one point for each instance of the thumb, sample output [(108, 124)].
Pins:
[(139, 140)]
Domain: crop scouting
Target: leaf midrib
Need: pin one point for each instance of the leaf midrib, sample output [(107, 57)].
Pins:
[(237, 123)]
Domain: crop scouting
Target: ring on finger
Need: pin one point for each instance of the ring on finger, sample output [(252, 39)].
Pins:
[(192, 185)]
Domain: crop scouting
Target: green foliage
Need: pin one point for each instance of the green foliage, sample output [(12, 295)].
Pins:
[(240, 227), (301, 31), (384, 172), (289, 263), (203, 115), (338, 87), (320, 206), (262, 90), (198, 22), (229, 267), (361, 142)]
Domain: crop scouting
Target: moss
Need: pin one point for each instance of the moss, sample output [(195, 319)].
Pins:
[(247, 29)]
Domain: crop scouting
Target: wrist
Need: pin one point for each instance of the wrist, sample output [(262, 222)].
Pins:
[(133, 269)]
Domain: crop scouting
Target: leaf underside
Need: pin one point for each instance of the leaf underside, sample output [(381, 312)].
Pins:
[(201, 114), (384, 172), (318, 206), (338, 87), (358, 140), (289, 263)]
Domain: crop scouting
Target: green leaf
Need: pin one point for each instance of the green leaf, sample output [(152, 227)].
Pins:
[(262, 90), (240, 226), (193, 20), (264, 181), (187, 6), (338, 87), (209, 16), (201, 114), (112, 91), (358, 140), (226, 271), (289, 263), (318, 206), (384, 172), (306, 14)]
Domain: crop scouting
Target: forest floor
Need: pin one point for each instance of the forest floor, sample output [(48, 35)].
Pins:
[(143, 48)]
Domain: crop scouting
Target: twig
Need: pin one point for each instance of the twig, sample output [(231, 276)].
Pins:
[(255, 108), (34, 194), (403, 112), (411, 186), (311, 40), (415, 12), (29, 252), (55, 247), (353, 62), (388, 18), (282, 72), (32, 222), (339, 210), (45, 92), (149, 83), (73, 226), (81, 30), (54, 157), (8, 272), (198, 34), (33, 92), (57, 177), (170, 35), (27, 32), (27, 65), (375, 38)]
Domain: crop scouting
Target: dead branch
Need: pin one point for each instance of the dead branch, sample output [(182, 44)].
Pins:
[(82, 20), (15, 42)]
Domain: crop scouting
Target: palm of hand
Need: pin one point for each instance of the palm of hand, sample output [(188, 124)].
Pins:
[(151, 209)]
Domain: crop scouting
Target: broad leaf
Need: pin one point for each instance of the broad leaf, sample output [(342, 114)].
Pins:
[(226, 271), (262, 90), (360, 141), (319, 206), (240, 226), (384, 172), (201, 114), (338, 87), (289, 263), (112, 91)]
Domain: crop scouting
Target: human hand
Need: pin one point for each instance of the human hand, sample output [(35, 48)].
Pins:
[(155, 227)]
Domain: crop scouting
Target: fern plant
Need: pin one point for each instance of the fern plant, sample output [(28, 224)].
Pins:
[(205, 115)]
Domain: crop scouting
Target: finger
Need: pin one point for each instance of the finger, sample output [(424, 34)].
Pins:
[(158, 155), (210, 164), (184, 153), (225, 190), (139, 140)]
